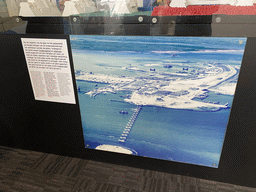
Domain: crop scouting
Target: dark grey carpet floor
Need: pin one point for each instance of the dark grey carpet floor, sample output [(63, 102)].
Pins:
[(22, 170)]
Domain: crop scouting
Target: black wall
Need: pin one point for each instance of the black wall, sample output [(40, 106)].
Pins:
[(56, 127), (29, 124)]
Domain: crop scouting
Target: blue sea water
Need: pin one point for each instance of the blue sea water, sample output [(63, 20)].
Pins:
[(170, 134)]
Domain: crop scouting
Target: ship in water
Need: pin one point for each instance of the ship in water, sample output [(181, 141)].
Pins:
[(123, 112)]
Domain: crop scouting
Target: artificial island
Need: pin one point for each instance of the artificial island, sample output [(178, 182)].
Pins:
[(185, 89)]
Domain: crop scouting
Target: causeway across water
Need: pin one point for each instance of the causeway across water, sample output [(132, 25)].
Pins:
[(129, 125)]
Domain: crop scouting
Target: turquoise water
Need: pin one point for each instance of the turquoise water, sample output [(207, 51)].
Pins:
[(171, 134), (158, 132)]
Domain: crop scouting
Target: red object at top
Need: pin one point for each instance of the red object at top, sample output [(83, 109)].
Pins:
[(204, 10)]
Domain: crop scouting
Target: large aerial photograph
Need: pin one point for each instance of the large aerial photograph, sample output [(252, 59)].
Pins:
[(159, 97)]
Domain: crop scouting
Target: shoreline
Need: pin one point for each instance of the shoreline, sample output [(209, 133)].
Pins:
[(92, 81), (112, 100), (200, 108)]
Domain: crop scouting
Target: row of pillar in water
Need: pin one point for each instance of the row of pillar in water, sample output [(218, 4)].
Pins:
[(129, 125)]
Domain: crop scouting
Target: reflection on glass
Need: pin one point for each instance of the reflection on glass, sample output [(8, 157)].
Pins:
[(160, 97), (32, 8)]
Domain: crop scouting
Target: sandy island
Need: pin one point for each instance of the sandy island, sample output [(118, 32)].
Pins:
[(117, 149), (185, 90)]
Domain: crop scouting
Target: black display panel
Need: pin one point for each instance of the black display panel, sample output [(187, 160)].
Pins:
[(57, 128), (32, 124)]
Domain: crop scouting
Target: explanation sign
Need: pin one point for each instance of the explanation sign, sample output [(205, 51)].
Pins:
[(49, 69)]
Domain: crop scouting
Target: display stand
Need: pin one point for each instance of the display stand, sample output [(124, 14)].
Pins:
[(53, 127)]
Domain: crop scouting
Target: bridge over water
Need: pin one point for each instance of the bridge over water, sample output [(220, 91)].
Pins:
[(130, 124)]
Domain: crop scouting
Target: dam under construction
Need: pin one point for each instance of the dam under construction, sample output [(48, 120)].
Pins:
[(130, 124)]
